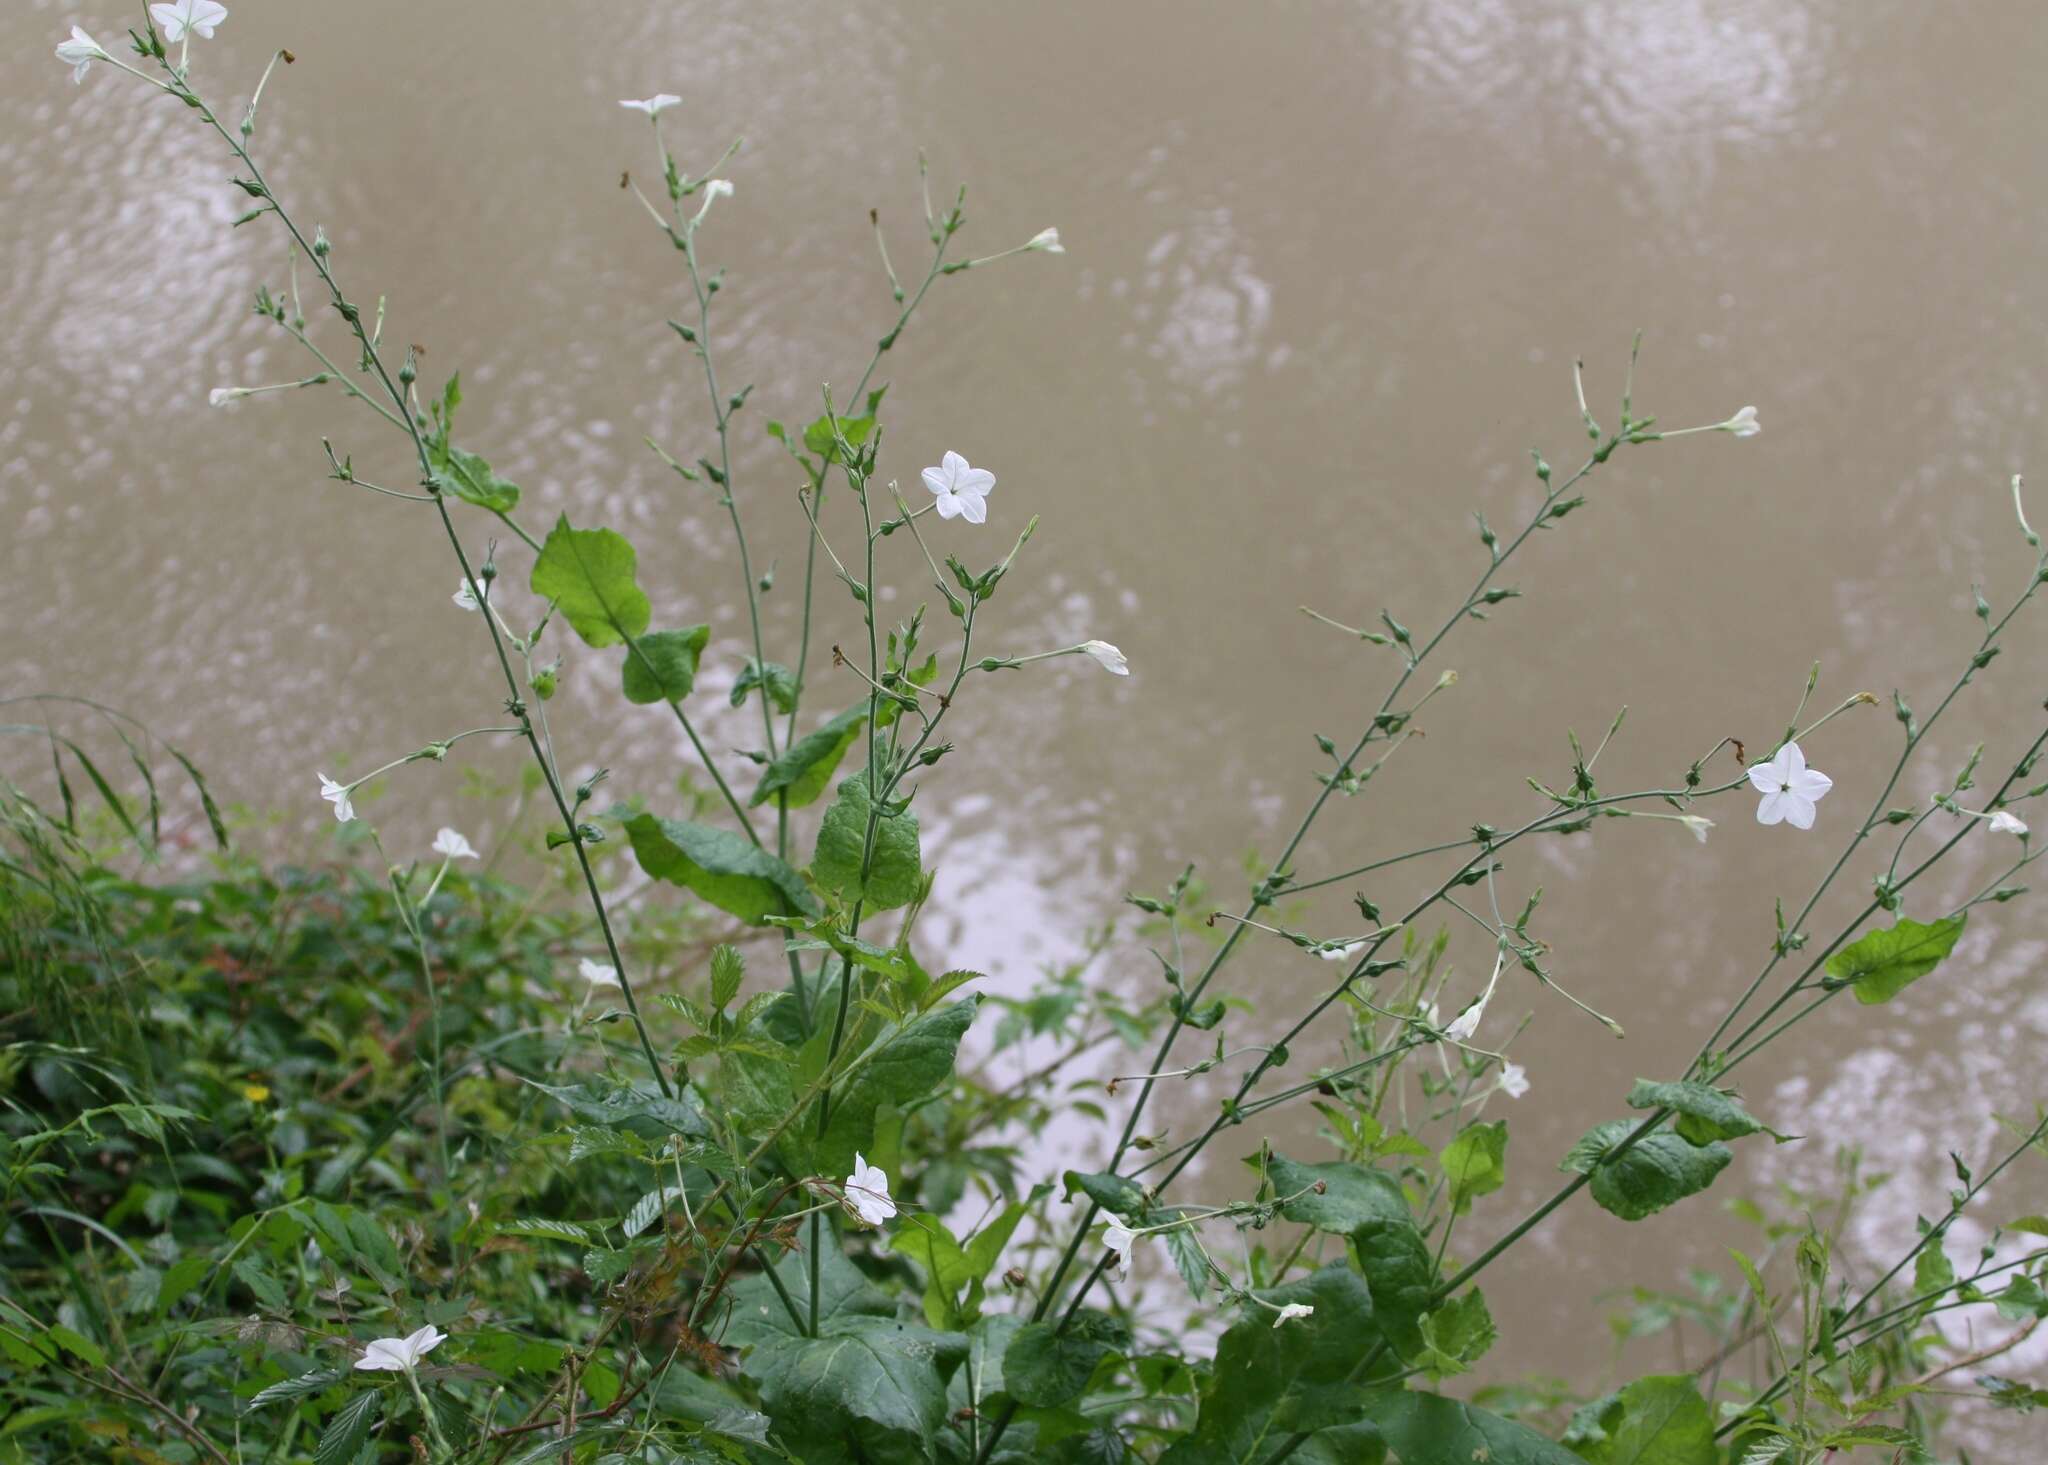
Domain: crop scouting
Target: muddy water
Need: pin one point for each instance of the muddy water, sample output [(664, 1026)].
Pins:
[(1328, 268)]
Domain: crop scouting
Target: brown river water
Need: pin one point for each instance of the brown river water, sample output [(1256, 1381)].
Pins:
[(1328, 266)]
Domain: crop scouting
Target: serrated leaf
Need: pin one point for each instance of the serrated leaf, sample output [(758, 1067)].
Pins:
[(588, 573), (543, 1228), (346, 1432), (296, 1388)]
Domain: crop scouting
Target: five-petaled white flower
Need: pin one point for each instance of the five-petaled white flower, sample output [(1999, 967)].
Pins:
[(1291, 1311), (1120, 1238), (465, 597), (867, 1192), (1789, 787), (1107, 657), (961, 490), (338, 793), (1743, 423), (79, 53), (653, 106), (451, 844), (1699, 825), (401, 1355), (2004, 823), (598, 974), (1514, 1080), (198, 17), (1047, 241)]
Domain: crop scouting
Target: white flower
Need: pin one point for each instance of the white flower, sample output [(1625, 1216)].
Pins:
[(79, 53), (598, 974), (196, 17), (1514, 1080), (654, 106), (1743, 423), (1698, 824), (1336, 951), (1789, 787), (453, 845), (338, 793), (714, 190), (1120, 1238), (1430, 1015), (1291, 1311), (465, 598), (867, 1192), (1466, 1023), (398, 1355), (1047, 241), (2004, 823), (961, 491), (1111, 659), (221, 396)]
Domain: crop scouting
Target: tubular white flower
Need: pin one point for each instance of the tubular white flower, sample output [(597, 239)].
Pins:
[(401, 1355), (714, 190), (1292, 1311), (1047, 241), (189, 17), (867, 1192), (1789, 787), (959, 489), (1466, 1023), (338, 794), (452, 845), (655, 105), (1120, 1238), (1699, 825), (464, 598), (79, 53), (2004, 823), (599, 974), (1108, 657), (1743, 423), (1514, 1080)]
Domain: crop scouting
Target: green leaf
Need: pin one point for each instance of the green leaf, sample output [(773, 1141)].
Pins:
[(807, 765), (1884, 963), (471, 479), (1457, 1335), (1659, 1420), (1705, 1113), (78, 1345), (1429, 1429), (1273, 1381), (343, 1438), (724, 867), (1045, 1366), (914, 1058), (588, 574), (867, 1388), (637, 1111), (776, 681), (1120, 1197), (844, 1292), (1475, 1163), (1367, 1205), (894, 874), (1657, 1171), (820, 438), (661, 666)]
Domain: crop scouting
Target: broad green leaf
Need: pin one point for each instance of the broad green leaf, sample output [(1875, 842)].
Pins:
[(1705, 1113), (1457, 1335), (820, 438), (758, 1315), (1659, 1420), (638, 1111), (893, 873), (865, 1389), (470, 478), (1658, 1170), (661, 666), (1884, 963), (724, 867), (803, 769), (776, 682), (912, 1059), (1475, 1163), (1270, 1382), (588, 573), (1367, 1205), (81, 1347), (1120, 1197), (1045, 1366), (1429, 1429), (926, 1241), (343, 1438)]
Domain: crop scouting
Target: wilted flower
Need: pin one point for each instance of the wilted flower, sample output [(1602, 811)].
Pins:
[(1514, 1080), (79, 53), (1698, 824), (1336, 950), (1743, 423), (2004, 823), (453, 845), (867, 1192), (221, 396), (598, 974), (398, 1355), (338, 793), (961, 490), (653, 106), (1291, 1311), (714, 190), (1120, 1238), (194, 17), (1466, 1023), (1789, 787), (1110, 659), (465, 597), (1047, 241)]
